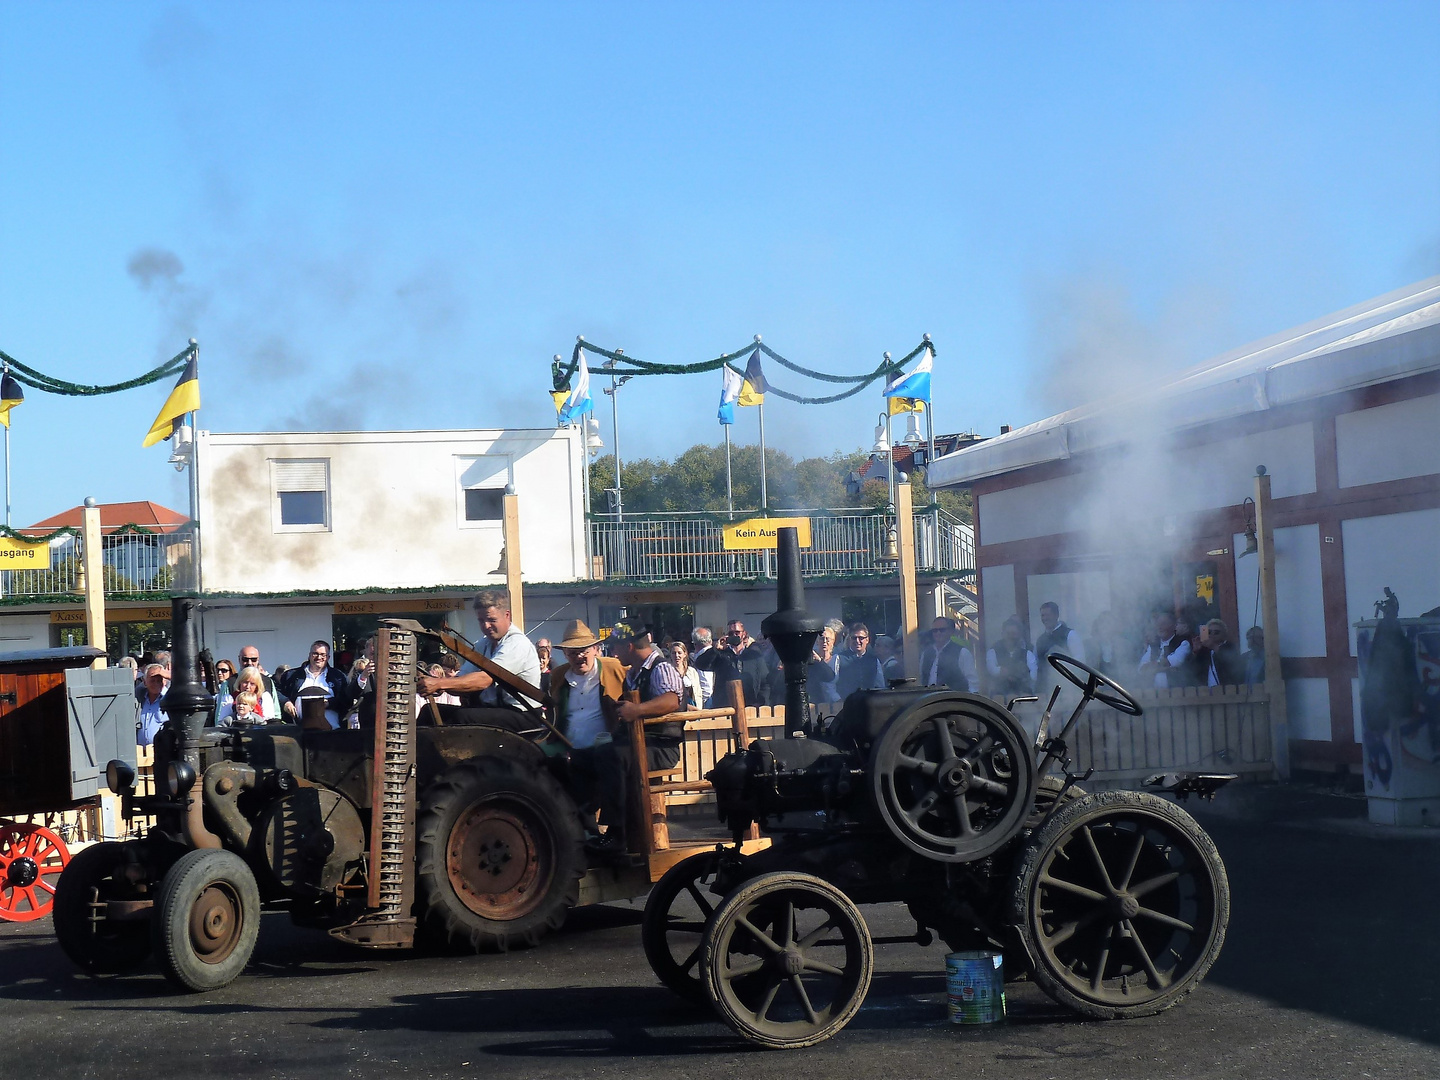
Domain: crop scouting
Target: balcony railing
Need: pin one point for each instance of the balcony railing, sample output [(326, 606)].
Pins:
[(689, 547), (137, 564)]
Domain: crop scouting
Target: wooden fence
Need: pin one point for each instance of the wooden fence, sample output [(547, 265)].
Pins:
[(1199, 729)]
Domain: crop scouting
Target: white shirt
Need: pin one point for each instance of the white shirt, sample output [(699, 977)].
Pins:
[(311, 679), (707, 680), (516, 654), (993, 665), (1156, 653), (584, 720)]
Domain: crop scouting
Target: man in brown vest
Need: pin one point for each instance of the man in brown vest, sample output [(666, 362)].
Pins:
[(586, 690)]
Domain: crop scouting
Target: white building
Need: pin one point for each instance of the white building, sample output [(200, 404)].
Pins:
[(1129, 503), (300, 528)]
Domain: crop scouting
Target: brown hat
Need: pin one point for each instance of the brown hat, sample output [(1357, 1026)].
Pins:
[(578, 636)]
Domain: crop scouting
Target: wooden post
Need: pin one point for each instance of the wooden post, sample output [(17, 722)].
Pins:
[(512, 560), (909, 615), (736, 690), (93, 561), (1270, 622)]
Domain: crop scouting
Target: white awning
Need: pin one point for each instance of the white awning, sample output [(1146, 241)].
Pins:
[(1384, 339)]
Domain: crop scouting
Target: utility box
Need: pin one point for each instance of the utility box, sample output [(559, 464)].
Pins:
[(61, 722), (1400, 718)]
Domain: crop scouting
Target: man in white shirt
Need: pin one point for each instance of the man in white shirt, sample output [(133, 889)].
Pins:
[(702, 642), (318, 678), (503, 642), (1168, 653)]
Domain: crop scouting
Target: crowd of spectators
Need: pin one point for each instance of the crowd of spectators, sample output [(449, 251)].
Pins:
[(1165, 650)]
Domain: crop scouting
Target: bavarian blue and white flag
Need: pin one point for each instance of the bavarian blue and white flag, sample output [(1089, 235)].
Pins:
[(578, 403), (915, 385), (730, 384)]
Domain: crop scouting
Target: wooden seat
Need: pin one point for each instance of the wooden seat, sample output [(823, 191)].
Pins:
[(651, 820)]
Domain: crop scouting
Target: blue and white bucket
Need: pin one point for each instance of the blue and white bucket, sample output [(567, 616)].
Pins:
[(975, 987)]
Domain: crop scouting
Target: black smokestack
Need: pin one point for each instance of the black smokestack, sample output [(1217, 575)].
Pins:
[(792, 630), (187, 702)]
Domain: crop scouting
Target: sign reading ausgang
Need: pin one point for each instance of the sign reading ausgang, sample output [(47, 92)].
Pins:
[(762, 533), (15, 552)]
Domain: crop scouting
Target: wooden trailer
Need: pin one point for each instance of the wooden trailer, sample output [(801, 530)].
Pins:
[(61, 721)]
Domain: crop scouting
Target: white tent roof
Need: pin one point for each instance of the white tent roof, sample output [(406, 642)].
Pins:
[(1387, 338)]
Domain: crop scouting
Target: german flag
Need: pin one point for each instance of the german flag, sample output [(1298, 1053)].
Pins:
[(10, 395), (183, 399)]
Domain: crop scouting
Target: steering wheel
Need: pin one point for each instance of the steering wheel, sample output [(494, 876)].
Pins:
[(1096, 685)]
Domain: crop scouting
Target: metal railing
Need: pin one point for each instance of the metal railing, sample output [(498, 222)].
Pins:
[(136, 564), (679, 547)]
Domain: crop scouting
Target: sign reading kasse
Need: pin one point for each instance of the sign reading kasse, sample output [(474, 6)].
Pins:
[(762, 532), (15, 552)]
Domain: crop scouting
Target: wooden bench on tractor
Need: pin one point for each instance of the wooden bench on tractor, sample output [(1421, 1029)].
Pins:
[(463, 833)]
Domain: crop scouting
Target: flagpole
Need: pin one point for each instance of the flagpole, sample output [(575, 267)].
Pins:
[(764, 499), (729, 489), (195, 476), (929, 422), (7, 463)]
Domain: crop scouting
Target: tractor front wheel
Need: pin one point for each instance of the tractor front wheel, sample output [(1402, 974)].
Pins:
[(96, 944), (207, 919)]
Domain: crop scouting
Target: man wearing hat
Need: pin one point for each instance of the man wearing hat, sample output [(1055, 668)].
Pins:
[(586, 691), (657, 686)]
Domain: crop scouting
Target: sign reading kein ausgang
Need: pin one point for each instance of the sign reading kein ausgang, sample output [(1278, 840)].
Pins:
[(761, 533), (15, 552)]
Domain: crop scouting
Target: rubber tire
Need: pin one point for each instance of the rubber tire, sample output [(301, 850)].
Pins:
[(1028, 868), (443, 804), (192, 874), (126, 947), (728, 909), (657, 914)]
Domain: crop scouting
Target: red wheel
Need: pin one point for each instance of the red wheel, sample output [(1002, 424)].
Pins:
[(31, 859)]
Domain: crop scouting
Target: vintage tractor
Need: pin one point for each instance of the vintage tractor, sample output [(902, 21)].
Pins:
[(1116, 903), (404, 826)]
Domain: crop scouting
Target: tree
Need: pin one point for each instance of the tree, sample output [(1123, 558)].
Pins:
[(695, 481)]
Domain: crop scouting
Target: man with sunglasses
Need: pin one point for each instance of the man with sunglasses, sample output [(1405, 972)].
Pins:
[(250, 658)]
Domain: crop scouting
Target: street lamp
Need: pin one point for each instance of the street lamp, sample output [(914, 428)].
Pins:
[(613, 391)]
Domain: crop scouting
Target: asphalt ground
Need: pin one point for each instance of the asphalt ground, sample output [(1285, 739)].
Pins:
[(1329, 970)]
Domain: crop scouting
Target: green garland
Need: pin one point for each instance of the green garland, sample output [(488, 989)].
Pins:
[(37, 380), (560, 372), (71, 530)]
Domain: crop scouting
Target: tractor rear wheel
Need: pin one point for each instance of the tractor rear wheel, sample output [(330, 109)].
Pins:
[(94, 943), (500, 854)]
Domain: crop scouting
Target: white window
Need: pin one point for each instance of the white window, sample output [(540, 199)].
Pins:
[(302, 494), (481, 483)]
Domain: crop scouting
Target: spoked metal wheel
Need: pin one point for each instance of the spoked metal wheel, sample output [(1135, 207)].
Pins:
[(31, 860), (676, 913), (1121, 902), (787, 960), (953, 778)]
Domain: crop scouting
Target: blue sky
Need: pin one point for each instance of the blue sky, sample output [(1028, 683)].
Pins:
[(393, 215)]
